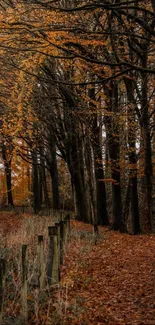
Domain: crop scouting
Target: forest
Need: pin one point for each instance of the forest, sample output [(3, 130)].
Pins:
[(77, 162), (77, 96)]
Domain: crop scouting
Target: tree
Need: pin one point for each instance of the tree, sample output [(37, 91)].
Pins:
[(72, 63)]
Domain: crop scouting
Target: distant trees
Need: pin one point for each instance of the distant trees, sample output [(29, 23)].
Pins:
[(84, 93)]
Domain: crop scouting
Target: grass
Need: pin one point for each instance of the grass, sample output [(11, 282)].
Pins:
[(41, 305)]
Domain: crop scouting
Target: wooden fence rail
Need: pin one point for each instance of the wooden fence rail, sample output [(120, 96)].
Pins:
[(48, 274)]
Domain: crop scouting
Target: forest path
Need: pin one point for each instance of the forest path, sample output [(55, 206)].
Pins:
[(110, 283)]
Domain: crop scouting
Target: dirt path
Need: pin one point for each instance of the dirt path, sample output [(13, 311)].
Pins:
[(110, 283)]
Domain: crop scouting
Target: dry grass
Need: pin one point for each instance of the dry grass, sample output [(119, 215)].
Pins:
[(43, 308)]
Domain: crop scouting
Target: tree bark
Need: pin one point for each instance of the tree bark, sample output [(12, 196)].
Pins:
[(35, 183), (133, 185), (148, 169), (43, 180), (102, 215), (91, 178), (96, 129), (132, 158), (7, 166), (76, 167), (54, 175), (112, 131)]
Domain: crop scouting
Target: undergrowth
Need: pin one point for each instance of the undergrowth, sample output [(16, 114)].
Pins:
[(42, 306)]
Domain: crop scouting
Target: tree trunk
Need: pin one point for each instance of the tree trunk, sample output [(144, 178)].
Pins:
[(102, 215), (132, 158), (54, 175), (45, 189), (44, 192), (126, 208), (148, 172), (112, 130), (7, 166), (75, 161), (91, 180), (35, 183), (82, 206), (101, 202), (148, 169), (133, 185), (40, 185)]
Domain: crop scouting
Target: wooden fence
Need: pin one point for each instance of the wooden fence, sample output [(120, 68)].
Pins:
[(48, 274)]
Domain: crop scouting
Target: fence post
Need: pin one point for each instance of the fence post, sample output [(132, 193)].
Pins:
[(41, 260), (2, 285), (67, 218), (61, 242), (24, 283), (53, 275), (57, 224), (64, 231)]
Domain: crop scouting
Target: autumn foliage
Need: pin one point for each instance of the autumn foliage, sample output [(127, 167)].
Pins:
[(77, 98)]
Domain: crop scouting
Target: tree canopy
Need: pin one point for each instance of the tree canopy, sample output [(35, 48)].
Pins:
[(77, 94)]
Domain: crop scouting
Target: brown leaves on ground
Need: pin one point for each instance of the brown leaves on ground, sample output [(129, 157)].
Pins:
[(110, 283), (9, 221)]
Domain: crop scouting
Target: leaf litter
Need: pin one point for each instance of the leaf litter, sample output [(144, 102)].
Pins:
[(112, 282)]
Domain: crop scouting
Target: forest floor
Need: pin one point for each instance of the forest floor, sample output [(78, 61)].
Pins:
[(111, 281)]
